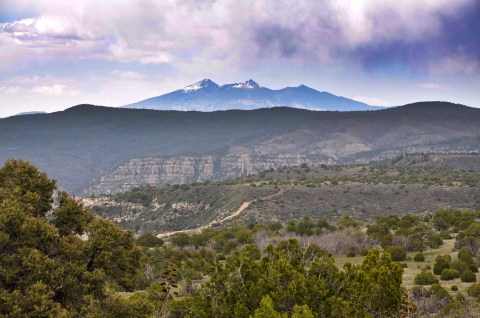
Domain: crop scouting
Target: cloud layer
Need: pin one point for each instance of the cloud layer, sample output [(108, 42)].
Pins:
[(369, 33)]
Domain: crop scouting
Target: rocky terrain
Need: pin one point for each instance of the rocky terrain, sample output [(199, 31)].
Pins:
[(157, 171), (290, 193)]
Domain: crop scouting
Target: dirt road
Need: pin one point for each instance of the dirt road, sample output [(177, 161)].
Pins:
[(242, 208)]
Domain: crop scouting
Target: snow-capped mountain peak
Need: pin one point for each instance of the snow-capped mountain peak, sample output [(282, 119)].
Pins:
[(250, 84), (208, 96), (199, 85)]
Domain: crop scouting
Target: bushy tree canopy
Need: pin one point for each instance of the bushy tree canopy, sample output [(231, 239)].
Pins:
[(56, 258), (281, 282)]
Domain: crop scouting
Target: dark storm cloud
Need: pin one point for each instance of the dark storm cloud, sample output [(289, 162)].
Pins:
[(458, 37), (461, 33), (387, 36), (274, 38)]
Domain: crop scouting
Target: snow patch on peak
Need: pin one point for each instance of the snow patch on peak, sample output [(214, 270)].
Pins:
[(199, 85), (250, 84)]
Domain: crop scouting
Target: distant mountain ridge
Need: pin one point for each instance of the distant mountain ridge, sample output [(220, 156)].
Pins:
[(31, 113), (104, 149), (207, 95)]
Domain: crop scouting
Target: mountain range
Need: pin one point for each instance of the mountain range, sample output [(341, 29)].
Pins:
[(206, 95), (93, 149)]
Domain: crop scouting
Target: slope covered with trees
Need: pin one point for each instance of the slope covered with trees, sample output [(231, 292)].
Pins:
[(84, 142), (56, 258), (59, 260)]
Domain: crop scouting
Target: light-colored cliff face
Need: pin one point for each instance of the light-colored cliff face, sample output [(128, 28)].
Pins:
[(186, 169)]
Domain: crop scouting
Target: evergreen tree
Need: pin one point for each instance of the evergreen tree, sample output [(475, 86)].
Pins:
[(58, 262), (266, 309)]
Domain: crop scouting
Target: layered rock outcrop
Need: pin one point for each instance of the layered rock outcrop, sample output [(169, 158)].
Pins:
[(159, 171)]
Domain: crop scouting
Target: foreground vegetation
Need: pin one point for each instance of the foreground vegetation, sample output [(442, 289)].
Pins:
[(59, 260), (437, 254)]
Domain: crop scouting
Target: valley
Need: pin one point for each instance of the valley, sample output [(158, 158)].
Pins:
[(412, 183)]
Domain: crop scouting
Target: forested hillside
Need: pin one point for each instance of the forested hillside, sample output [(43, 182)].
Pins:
[(86, 143)]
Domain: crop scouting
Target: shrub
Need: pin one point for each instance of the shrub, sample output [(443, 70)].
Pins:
[(459, 297), (419, 257), (449, 274), (468, 276), (275, 226), (419, 292), (444, 257), (425, 278), (445, 235), (181, 240), (149, 240), (454, 288), (435, 240), (473, 268), (243, 236), (465, 255), (454, 309), (351, 252), (363, 252), (439, 267), (474, 290), (229, 247), (438, 291), (460, 266), (397, 253), (441, 262)]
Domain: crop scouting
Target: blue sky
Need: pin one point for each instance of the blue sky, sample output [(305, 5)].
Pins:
[(56, 54)]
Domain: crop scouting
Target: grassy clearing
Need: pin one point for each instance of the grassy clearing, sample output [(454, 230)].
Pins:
[(340, 261), (414, 268)]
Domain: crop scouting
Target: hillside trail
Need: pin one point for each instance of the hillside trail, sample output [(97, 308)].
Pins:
[(242, 208)]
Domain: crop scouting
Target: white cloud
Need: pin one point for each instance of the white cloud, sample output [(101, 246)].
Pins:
[(121, 52), (23, 80), (130, 75), (54, 90), (48, 29), (434, 86), (455, 65), (373, 101), (9, 90)]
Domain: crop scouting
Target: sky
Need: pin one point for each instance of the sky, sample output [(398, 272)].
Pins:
[(55, 54)]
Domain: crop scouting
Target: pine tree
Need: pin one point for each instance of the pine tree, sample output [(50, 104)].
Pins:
[(58, 262)]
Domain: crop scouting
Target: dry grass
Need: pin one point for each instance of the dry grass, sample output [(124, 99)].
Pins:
[(414, 268), (342, 260)]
